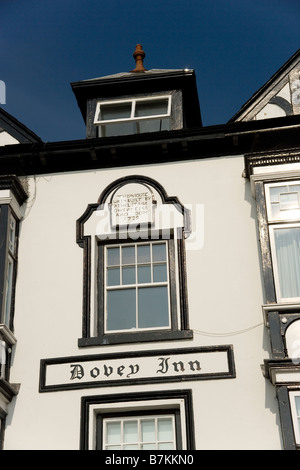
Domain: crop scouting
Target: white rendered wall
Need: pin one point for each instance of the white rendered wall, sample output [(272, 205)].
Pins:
[(7, 139), (224, 294)]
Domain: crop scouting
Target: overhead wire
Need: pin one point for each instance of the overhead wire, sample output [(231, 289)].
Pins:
[(231, 333)]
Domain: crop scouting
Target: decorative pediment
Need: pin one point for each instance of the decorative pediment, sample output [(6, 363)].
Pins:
[(279, 97), (14, 132)]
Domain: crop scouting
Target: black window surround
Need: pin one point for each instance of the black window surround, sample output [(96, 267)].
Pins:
[(179, 328), (287, 424), (125, 401), (122, 336), (279, 314)]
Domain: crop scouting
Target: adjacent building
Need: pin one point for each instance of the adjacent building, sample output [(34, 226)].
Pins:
[(150, 273)]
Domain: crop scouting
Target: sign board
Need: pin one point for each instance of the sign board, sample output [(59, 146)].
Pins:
[(175, 365), (132, 208)]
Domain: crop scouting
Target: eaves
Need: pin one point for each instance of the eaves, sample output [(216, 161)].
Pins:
[(162, 147)]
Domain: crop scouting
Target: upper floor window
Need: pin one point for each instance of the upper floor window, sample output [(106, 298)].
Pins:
[(137, 284), (133, 116), (134, 265), (283, 212)]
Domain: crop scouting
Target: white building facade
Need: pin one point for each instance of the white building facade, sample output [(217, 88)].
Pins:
[(150, 273)]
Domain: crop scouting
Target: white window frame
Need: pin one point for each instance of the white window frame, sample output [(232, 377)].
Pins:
[(295, 417), (273, 227), (136, 285), (288, 218), (139, 443), (133, 102), (102, 123)]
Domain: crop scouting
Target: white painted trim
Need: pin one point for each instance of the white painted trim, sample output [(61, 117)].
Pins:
[(276, 173), (7, 197), (133, 102)]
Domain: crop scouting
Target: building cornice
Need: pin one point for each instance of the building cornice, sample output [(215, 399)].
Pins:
[(255, 139)]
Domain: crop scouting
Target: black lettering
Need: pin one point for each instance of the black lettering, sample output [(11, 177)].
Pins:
[(77, 372), (164, 367), (134, 370), (95, 372), (178, 366), (120, 370), (192, 365), (107, 370)]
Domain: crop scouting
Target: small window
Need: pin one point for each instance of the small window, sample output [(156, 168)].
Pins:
[(283, 201), (137, 286), (133, 116), (139, 433)]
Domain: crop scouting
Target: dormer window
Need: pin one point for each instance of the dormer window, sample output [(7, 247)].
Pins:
[(133, 116)]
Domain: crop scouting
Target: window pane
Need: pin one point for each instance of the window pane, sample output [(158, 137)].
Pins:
[(144, 274), (113, 256), (113, 276), (160, 273), (143, 254), (159, 252), (12, 235), (151, 108), (115, 111), (275, 210), (121, 309), (287, 243), (275, 192), (153, 307), (153, 125), (165, 429), (128, 255), (118, 128), (113, 431), (128, 275), (8, 291), (148, 430), (297, 401), (148, 447), (131, 447), (130, 431), (295, 187), (166, 446), (288, 201)]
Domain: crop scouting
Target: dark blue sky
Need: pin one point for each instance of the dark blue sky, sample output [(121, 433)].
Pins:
[(234, 46)]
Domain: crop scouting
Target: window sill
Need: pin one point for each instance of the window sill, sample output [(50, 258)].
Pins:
[(7, 335), (279, 307), (140, 337), (8, 390)]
